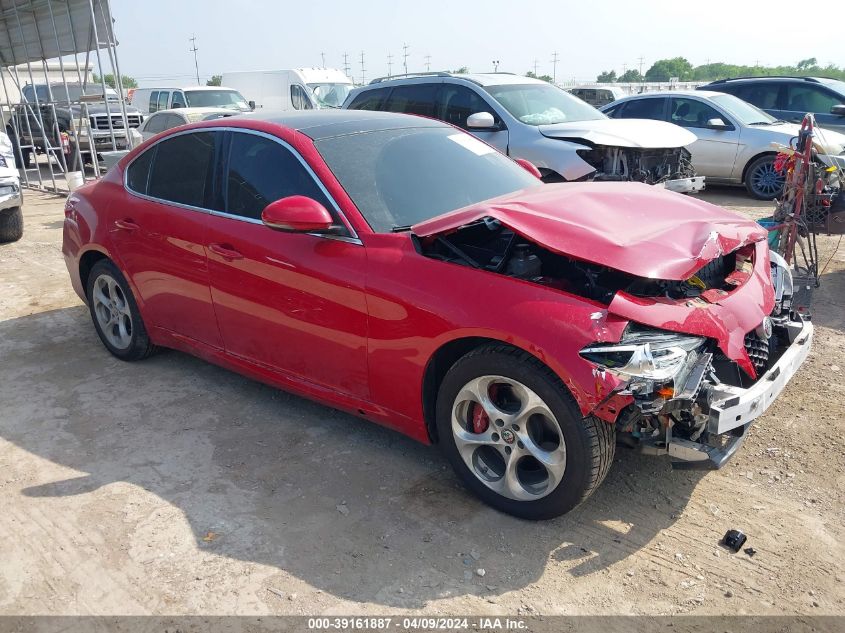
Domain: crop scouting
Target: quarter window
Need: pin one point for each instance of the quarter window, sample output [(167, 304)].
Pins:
[(182, 169), (138, 174), (262, 171), (414, 99), (456, 103), (370, 100)]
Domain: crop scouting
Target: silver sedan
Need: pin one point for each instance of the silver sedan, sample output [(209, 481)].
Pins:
[(737, 142)]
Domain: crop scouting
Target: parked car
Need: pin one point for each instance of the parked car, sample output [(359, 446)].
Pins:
[(73, 123), (596, 96), (565, 138), (293, 89), (167, 119), (399, 269), (790, 98), (11, 197), (737, 142), (149, 100)]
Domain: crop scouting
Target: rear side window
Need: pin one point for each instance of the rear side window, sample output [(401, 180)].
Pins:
[(182, 169), (262, 171), (650, 108), (162, 100), (138, 174), (153, 101), (370, 100), (764, 96), (456, 103), (416, 99)]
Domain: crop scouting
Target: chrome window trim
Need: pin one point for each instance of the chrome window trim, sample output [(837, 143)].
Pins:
[(352, 238)]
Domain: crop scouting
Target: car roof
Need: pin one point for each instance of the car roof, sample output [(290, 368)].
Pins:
[(204, 110), (480, 79), (676, 93), (321, 124), (771, 78)]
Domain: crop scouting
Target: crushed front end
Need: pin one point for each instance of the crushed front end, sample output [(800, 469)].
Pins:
[(686, 397), (670, 167)]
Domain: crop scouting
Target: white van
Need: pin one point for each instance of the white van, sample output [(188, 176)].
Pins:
[(293, 89), (149, 100)]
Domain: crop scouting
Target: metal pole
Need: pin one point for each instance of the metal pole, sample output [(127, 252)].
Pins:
[(84, 84), (118, 80), (94, 156), (26, 109), (14, 124)]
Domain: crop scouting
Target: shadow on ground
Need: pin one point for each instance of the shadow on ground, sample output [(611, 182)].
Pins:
[(267, 471)]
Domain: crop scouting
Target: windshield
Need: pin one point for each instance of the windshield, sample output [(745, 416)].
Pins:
[(538, 104), (398, 178), (836, 86), (330, 95), (231, 99), (746, 113)]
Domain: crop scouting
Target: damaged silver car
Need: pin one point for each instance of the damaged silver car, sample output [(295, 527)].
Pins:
[(564, 137)]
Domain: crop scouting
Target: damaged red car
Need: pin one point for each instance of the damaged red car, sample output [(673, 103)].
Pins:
[(399, 269)]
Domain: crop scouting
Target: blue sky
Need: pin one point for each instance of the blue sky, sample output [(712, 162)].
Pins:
[(588, 36)]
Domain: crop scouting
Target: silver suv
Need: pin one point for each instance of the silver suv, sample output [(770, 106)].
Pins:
[(565, 138)]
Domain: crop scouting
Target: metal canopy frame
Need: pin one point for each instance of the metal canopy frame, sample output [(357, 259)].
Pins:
[(33, 32)]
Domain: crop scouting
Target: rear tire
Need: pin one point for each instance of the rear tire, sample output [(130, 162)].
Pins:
[(11, 224), (537, 457), (115, 313), (761, 179)]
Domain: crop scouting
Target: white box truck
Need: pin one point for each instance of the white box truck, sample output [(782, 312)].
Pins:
[(292, 89)]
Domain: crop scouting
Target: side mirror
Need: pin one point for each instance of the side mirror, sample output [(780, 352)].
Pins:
[(481, 121), (838, 110), (529, 167), (251, 105), (717, 124), (297, 214)]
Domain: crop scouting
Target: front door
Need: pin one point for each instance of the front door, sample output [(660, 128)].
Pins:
[(714, 153), (456, 103), (291, 302)]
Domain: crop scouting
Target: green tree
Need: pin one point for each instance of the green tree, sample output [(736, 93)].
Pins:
[(216, 80), (630, 76), (126, 80), (808, 63), (461, 71), (607, 77), (664, 69), (542, 77)]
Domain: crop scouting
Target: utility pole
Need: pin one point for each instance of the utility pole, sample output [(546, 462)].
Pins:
[(346, 68), (363, 71), (323, 57), (194, 50), (389, 64), (536, 62), (554, 67), (428, 63), (405, 57), (641, 59), (495, 65)]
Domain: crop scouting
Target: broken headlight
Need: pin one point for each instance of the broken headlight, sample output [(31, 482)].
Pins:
[(644, 353)]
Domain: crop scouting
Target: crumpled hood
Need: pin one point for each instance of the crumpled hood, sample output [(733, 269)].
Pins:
[(639, 229), (641, 133)]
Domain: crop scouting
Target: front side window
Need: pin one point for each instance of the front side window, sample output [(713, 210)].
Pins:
[(692, 113), (182, 169), (456, 103), (401, 177), (299, 99), (803, 98), (646, 108), (542, 104), (415, 99), (178, 99), (370, 100), (262, 171)]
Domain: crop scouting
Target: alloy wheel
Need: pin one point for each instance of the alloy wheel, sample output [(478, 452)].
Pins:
[(508, 437), (112, 310), (767, 181)]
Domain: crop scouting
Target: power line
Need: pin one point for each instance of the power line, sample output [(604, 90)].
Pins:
[(536, 62), (323, 57), (363, 70), (405, 57), (554, 67), (390, 64), (641, 59), (346, 69), (428, 63), (194, 50)]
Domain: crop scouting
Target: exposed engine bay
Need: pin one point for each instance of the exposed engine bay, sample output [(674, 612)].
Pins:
[(651, 166), (682, 395)]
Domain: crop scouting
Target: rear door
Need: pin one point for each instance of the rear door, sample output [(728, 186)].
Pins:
[(714, 153), (290, 302), (159, 235)]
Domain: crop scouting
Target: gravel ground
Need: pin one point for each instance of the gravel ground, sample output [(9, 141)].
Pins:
[(172, 486)]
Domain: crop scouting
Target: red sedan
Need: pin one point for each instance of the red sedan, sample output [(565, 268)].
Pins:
[(399, 269)]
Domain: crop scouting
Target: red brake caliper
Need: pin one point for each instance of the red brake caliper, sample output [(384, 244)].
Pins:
[(480, 420)]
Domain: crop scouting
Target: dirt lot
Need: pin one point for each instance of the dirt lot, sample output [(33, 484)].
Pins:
[(174, 487)]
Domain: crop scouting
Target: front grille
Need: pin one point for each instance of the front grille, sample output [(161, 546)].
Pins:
[(758, 351), (101, 121)]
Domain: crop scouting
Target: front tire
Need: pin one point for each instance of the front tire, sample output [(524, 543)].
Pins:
[(115, 313), (516, 438), (762, 181), (11, 224)]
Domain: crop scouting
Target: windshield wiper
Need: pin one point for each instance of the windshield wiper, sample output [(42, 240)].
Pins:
[(764, 122), (400, 229)]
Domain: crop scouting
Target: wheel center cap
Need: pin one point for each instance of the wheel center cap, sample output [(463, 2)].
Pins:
[(508, 436)]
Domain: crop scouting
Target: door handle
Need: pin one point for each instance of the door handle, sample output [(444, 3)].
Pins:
[(126, 225), (225, 251)]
